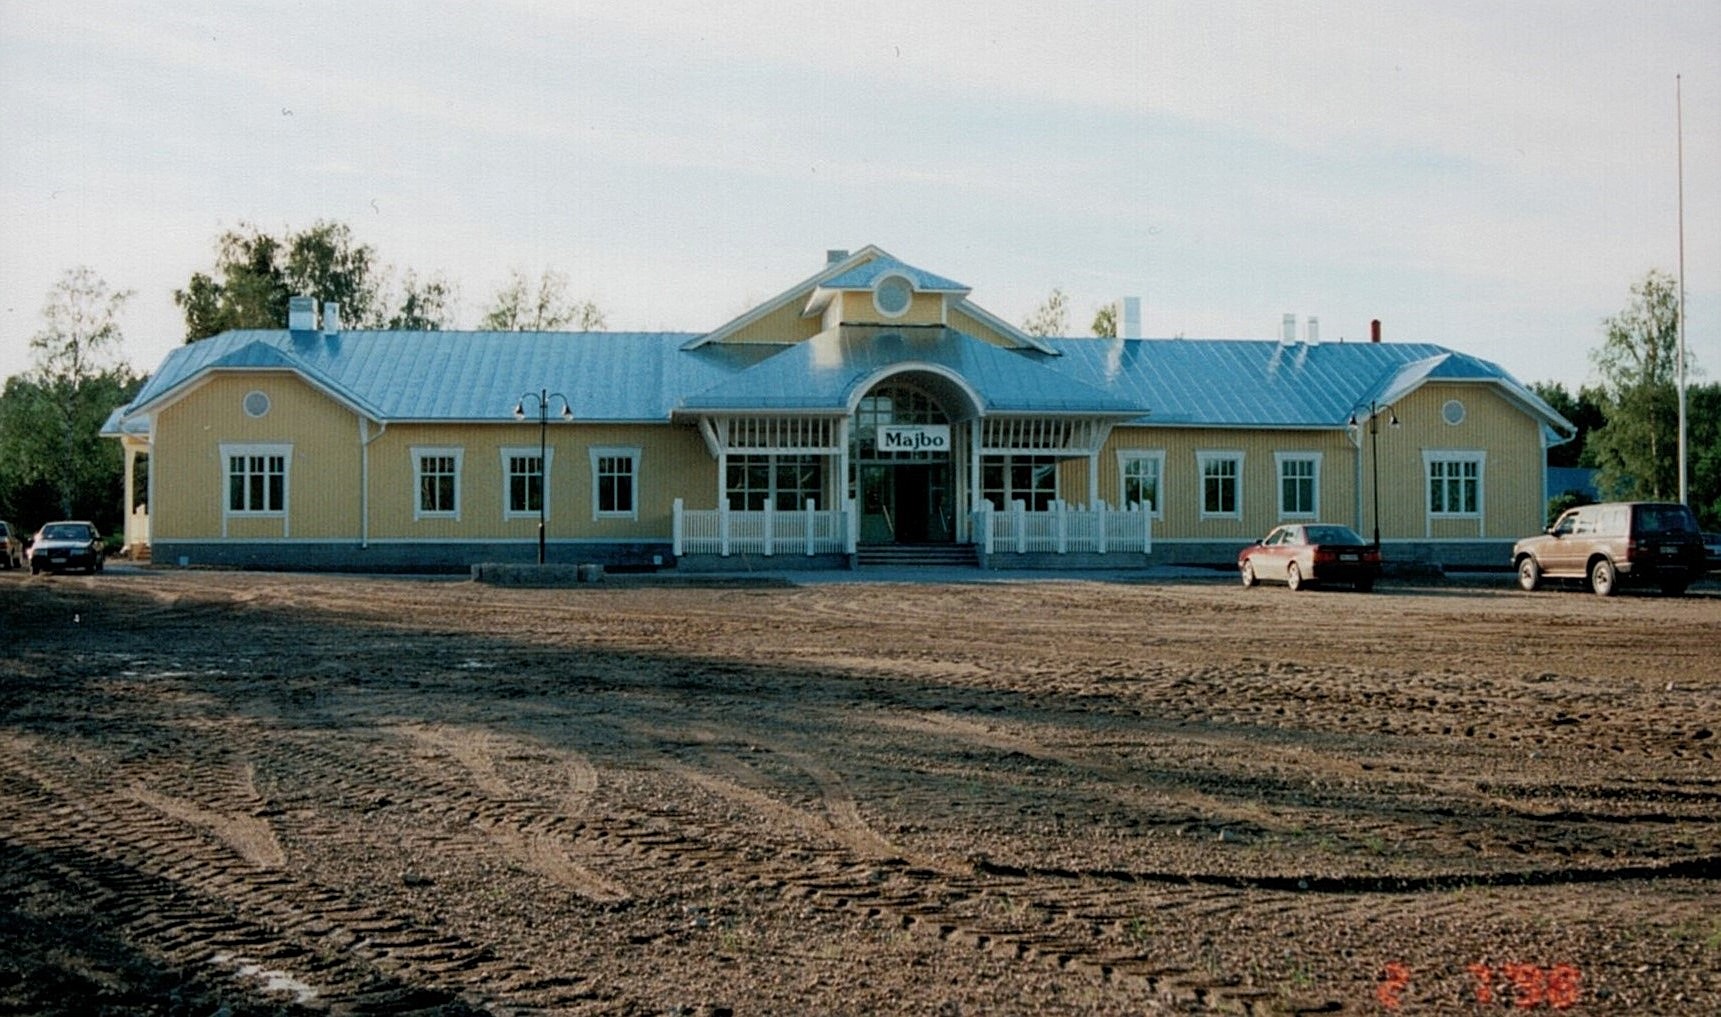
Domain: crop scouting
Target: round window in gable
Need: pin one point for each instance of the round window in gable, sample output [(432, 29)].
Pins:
[(256, 403), (892, 295), (1452, 412)]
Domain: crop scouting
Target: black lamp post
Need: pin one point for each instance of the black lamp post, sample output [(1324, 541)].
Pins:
[(543, 397), (1374, 450)]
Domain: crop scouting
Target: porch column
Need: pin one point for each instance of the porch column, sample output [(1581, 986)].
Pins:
[(976, 436), (126, 492)]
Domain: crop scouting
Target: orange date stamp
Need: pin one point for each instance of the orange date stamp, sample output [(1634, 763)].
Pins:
[(1519, 986)]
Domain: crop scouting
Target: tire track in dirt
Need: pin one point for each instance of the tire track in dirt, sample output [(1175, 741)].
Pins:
[(192, 898), (855, 871), (530, 833)]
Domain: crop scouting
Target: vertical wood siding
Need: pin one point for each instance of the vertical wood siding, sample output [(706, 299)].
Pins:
[(323, 477), (672, 462)]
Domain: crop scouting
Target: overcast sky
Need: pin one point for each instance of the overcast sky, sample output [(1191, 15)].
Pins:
[(1492, 176)]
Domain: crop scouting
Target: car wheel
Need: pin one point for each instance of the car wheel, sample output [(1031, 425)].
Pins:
[(1603, 578), (1529, 574), (1248, 572), (1293, 576), (1673, 589)]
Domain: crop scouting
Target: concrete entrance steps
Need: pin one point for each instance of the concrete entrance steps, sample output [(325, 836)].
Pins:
[(939, 555)]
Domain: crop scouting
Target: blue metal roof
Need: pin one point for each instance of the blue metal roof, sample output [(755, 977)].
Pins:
[(862, 277), (1244, 383), (829, 373), (649, 376), (468, 375)]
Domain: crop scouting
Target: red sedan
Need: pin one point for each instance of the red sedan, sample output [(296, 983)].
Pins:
[(1311, 553)]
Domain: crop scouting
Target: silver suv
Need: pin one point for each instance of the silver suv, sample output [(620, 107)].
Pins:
[(1628, 543)]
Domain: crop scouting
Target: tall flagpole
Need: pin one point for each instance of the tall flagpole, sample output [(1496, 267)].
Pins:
[(1679, 115)]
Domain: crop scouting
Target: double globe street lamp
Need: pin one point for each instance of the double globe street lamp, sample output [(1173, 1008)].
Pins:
[(543, 397), (1374, 411)]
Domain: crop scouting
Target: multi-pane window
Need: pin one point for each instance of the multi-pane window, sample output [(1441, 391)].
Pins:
[(785, 482), (1141, 472), (1221, 483), (1299, 482), (256, 479), (1454, 484), (894, 404), (1030, 479), (525, 473), (438, 482), (615, 481)]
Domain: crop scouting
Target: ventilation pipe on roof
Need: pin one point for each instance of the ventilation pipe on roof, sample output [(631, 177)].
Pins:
[(834, 255), (302, 314), (1288, 331), (1314, 331), (1130, 326), (331, 318), (1374, 331)]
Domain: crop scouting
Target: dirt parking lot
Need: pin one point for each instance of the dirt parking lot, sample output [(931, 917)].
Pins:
[(313, 794)]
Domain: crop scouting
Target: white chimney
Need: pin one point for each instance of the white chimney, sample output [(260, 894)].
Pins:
[(302, 314), (1130, 326), (331, 318), (1288, 330), (1314, 333)]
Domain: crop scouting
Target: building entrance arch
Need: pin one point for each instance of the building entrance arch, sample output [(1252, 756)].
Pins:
[(903, 452)]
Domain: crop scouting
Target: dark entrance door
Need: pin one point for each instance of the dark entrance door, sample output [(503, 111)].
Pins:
[(923, 503), (906, 503)]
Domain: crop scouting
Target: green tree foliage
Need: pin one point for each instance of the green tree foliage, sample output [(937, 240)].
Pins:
[(1583, 410), (1051, 318), (326, 262), (249, 288), (519, 307), (1636, 451), (53, 461), (1703, 441), (256, 272), (425, 305), (1105, 322)]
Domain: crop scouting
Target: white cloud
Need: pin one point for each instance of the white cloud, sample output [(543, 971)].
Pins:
[(1491, 176)]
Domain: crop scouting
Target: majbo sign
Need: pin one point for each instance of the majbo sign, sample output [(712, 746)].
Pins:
[(917, 438)]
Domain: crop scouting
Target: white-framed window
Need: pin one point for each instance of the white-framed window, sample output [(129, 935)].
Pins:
[(255, 479), (1454, 482), (615, 483), (436, 482), (785, 482), (1221, 484), (1140, 476), (523, 481), (1299, 484), (1029, 479)]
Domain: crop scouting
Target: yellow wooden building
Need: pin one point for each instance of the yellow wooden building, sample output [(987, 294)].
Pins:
[(869, 412)]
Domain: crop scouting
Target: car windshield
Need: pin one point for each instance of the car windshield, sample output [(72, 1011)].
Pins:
[(66, 531), (1333, 535)]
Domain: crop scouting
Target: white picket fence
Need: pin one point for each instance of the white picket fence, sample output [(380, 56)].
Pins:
[(768, 532), (1064, 529)]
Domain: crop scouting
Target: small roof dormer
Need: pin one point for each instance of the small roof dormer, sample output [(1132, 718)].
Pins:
[(868, 287)]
